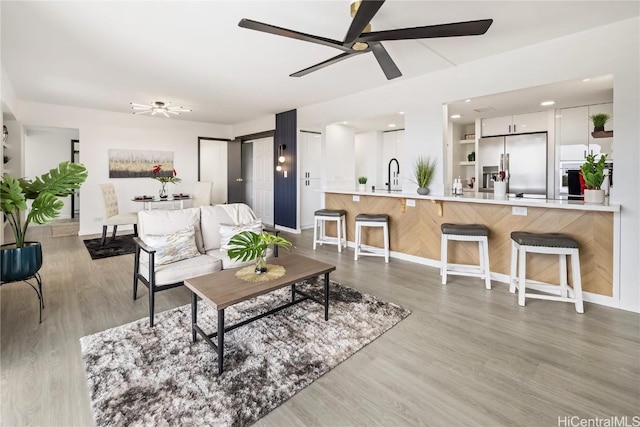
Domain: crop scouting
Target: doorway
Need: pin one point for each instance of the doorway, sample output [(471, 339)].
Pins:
[(212, 166)]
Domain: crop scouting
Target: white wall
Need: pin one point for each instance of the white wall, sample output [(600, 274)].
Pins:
[(618, 53), (213, 168), (368, 153), (102, 130), (338, 157), (44, 149)]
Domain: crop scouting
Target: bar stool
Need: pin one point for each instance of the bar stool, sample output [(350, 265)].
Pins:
[(546, 243), (323, 215), (372, 220), (466, 233)]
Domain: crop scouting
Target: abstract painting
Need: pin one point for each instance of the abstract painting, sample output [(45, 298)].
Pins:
[(139, 163)]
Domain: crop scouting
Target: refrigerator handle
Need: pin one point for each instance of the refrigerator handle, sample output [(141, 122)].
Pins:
[(506, 166)]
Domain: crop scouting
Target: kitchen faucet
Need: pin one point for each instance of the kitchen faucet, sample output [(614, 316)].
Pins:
[(389, 173)]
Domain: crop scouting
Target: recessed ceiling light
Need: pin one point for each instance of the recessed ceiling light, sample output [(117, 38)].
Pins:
[(467, 100), (456, 116), (392, 125), (586, 80), (547, 103), (345, 122), (401, 112)]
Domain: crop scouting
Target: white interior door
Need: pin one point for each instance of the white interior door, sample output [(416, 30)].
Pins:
[(263, 179), (213, 167)]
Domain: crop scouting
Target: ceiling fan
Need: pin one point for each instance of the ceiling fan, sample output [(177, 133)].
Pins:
[(360, 39)]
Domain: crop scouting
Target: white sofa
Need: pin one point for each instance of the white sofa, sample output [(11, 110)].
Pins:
[(205, 223)]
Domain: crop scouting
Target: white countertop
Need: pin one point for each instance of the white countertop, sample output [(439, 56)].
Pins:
[(487, 198)]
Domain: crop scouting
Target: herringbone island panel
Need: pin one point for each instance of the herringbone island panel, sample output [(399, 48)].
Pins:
[(416, 231)]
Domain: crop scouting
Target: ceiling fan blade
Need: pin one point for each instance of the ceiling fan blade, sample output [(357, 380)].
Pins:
[(389, 67), (284, 32), (455, 29), (142, 112), (323, 64), (366, 11)]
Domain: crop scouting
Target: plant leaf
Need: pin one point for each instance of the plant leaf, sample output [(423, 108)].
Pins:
[(45, 208), (248, 245), (11, 196), (61, 181)]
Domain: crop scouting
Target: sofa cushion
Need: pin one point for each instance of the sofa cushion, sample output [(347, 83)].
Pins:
[(179, 271), (173, 247), (169, 221), (212, 216), (227, 231)]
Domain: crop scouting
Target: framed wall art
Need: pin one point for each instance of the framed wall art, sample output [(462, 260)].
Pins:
[(139, 163)]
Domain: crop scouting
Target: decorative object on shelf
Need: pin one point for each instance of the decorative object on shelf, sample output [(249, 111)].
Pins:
[(424, 169), (5, 134), (500, 185), (470, 136), (158, 107), (6, 159), (599, 120), (164, 179), (362, 183), (281, 156), (138, 163), (593, 175), (471, 181), (471, 156), (248, 246)]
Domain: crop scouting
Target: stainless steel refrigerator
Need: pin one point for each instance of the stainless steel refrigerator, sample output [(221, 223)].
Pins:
[(523, 158)]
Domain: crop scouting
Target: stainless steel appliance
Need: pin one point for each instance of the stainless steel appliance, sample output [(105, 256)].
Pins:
[(523, 157)]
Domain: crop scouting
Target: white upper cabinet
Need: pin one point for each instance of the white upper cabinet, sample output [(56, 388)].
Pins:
[(573, 125), (520, 123)]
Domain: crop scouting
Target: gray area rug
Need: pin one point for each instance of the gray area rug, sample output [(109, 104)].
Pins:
[(139, 375)]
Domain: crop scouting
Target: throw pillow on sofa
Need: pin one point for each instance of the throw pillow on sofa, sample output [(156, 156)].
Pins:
[(227, 231), (173, 247)]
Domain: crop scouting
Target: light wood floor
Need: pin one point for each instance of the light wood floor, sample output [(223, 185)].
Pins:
[(465, 356)]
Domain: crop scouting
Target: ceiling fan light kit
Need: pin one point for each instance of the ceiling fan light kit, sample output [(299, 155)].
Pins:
[(360, 39), (158, 107)]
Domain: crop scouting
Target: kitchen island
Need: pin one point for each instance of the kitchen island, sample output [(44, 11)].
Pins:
[(414, 231)]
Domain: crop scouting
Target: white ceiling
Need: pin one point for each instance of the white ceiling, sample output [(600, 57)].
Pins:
[(104, 55)]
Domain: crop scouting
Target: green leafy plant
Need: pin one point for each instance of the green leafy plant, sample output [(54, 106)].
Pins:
[(593, 172), (424, 169), (362, 180), (600, 119), (45, 191), (248, 245)]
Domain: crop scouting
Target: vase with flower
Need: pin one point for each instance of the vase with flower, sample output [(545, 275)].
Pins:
[(164, 177), (500, 185)]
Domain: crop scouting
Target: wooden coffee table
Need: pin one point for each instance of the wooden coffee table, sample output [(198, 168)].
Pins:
[(223, 289)]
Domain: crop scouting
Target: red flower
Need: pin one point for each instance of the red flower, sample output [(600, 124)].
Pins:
[(175, 173), (157, 168)]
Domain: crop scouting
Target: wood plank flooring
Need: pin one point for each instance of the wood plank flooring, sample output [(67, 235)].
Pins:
[(465, 356)]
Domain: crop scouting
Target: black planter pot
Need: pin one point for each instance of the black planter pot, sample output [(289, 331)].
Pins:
[(598, 128), (20, 263)]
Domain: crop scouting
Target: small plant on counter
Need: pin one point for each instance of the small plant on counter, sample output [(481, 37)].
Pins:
[(424, 169), (593, 172), (362, 180), (599, 120)]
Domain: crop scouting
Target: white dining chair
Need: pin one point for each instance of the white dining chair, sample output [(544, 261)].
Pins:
[(113, 216), (201, 194)]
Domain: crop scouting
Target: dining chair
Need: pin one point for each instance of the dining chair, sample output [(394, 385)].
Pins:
[(113, 216), (202, 194)]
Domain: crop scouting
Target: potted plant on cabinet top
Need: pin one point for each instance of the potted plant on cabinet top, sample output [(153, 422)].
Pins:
[(23, 259), (362, 183), (424, 168), (593, 175), (248, 246)]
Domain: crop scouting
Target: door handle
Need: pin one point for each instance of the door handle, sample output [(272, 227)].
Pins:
[(239, 180)]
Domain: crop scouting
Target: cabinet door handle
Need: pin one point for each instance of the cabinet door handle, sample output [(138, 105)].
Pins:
[(509, 128), (584, 154), (514, 128)]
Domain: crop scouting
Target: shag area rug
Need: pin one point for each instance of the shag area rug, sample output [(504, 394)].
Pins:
[(139, 375), (122, 245)]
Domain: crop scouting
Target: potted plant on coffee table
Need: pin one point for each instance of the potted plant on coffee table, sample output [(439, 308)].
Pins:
[(424, 169), (248, 246), (593, 175)]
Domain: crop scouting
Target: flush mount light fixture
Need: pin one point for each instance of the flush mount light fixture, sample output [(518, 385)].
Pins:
[(158, 107), (547, 103), (456, 116)]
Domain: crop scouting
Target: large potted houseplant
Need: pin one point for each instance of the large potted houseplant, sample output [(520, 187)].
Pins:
[(23, 259), (248, 246), (593, 175), (424, 169)]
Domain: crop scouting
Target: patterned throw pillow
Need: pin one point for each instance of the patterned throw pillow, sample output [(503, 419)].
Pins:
[(173, 247), (227, 231)]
